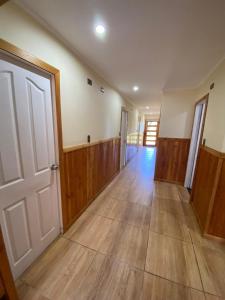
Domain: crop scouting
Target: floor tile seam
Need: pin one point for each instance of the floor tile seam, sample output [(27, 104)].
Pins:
[(129, 202), (121, 221), (146, 255), (169, 236), (174, 282), (198, 245), (196, 259), (132, 202), (174, 214), (210, 294), (179, 201), (116, 259), (124, 221)]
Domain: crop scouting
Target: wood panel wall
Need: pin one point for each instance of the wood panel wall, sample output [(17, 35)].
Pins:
[(208, 192), (86, 171), (171, 159)]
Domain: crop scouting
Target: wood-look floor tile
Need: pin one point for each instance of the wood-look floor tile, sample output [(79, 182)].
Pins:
[(119, 193), (166, 190), (59, 268), (90, 230), (172, 259), (136, 214), (117, 280), (124, 211), (51, 259), (127, 243), (106, 278), (101, 206), (26, 292), (169, 205), (156, 288), (140, 195), (183, 193), (212, 269), (169, 224)]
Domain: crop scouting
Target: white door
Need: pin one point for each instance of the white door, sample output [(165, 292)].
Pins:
[(29, 213), (123, 131)]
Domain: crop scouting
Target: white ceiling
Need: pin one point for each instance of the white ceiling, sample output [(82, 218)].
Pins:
[(157, 44)]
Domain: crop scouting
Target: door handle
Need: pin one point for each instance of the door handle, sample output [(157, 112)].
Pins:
[(54, 167)]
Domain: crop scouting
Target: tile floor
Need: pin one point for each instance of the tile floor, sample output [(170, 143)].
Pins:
[(138, 240)]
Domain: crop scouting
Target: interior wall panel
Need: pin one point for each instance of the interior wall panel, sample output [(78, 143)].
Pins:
[(87, 170), (171, 159), (208, 193)]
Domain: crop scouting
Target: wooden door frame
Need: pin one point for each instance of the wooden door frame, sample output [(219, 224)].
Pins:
[(37, 63)]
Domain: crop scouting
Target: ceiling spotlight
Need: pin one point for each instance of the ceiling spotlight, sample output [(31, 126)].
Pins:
[(100, 29), (135, 88), (147, 107)]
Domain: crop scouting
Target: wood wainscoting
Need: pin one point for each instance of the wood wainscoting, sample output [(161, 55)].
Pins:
[(87, 170), (171, 159), (208, 192)]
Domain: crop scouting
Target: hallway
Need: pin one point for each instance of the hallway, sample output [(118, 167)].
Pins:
[(138, 240)]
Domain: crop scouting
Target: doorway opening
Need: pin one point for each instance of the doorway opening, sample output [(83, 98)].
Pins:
[(196, 140), (150, 133), (30, 210), (123, 138)]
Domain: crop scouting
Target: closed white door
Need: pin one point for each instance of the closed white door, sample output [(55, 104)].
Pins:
[(29, 212)]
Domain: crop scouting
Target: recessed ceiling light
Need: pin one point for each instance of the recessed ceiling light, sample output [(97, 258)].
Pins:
[(135, 88), (100, 29), (147, 107)]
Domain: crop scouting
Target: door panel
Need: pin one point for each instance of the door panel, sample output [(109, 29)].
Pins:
[(36, 98), (45, 208), (12, 171), (28, 188), (17, 226)]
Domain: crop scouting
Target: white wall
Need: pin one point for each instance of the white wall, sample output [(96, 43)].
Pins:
[(214, 132), (177, 112), (84, 109), (178, 108)]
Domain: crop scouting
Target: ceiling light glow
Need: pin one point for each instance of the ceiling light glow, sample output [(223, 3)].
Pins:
[(135, 88), (147, 107), (100, 29)]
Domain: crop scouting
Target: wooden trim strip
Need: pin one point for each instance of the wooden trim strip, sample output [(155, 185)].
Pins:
[(87, 145), (22, 54), (174, 139), (213, 151)]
